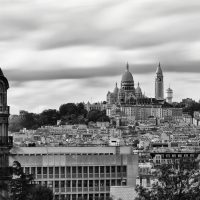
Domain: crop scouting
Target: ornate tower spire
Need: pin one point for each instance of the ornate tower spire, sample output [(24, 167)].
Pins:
[(159, 85), (127, 66)]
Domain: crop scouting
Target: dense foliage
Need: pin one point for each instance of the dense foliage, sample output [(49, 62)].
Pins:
[(22, 187), (69, 113), (177, 181)]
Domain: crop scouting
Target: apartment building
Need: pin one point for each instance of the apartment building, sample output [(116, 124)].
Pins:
[(79, 172)]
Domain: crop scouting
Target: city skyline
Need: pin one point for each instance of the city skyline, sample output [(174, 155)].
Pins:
[(75, 51)]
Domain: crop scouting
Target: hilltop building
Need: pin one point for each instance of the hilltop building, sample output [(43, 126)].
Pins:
[(130, 102)]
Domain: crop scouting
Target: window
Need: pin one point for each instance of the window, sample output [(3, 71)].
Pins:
[(101, 169), (90, 183), (96, 183), (108, 169), (73, 183), (113, 182), (118, 169), (118, 182), (85, 170), (68, 170), (44, 170), (68, 184), (80, 170), (102, 183), (79, 183), (148, 182), (39, 170), (107, 183), (26, 170), (90, 170), (96, 169), (32, 170), (85, 183), (56, 170), (73, 170), (56, 184), (62, 170), (62, 184), (50, 170), (124, 169), (112, 169)]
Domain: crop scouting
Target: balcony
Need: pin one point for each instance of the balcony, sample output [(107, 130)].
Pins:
[(5, 109), (6, 141)]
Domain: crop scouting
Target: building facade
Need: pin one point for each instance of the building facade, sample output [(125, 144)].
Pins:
[(5, 141), (79, 172)]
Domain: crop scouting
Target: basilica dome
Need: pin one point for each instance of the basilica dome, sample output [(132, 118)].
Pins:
[(127, 76), (138, 89), (116, 90)]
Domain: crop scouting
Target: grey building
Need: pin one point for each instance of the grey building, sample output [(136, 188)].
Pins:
[(79, 172)]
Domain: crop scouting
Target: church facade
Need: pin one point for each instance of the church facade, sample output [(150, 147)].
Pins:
[(130, 102)]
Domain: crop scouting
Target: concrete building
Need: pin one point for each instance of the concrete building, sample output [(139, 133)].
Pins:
[(75, 172)]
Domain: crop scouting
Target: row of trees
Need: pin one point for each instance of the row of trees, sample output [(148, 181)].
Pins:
[(188, 108), (69, 113)]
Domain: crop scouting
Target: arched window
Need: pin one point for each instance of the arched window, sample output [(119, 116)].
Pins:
[(1, 94)]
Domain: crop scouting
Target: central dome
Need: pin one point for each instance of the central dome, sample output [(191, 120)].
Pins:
[(127, 76)]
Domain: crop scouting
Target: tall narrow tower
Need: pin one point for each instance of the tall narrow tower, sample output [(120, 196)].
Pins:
[(159, 86), (169, 95), (5, 141)]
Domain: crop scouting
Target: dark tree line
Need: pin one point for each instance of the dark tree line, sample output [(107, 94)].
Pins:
[(69, 113), (194, 106)]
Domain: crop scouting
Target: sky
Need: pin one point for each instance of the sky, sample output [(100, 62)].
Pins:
[(55, 52)]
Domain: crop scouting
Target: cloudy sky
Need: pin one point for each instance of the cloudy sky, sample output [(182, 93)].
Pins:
[(54, 52)]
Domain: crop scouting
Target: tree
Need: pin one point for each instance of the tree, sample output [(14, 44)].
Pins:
[(29, 120), (15, 123), (176, 181), (97, 115), (48, 117), (22, 187), (19, 183), (81, 109), (68, 109)]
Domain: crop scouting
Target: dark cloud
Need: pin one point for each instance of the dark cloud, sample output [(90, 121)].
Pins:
[(100, 71)]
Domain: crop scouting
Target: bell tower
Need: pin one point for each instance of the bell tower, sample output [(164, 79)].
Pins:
[(5, 140), (159, 85)]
